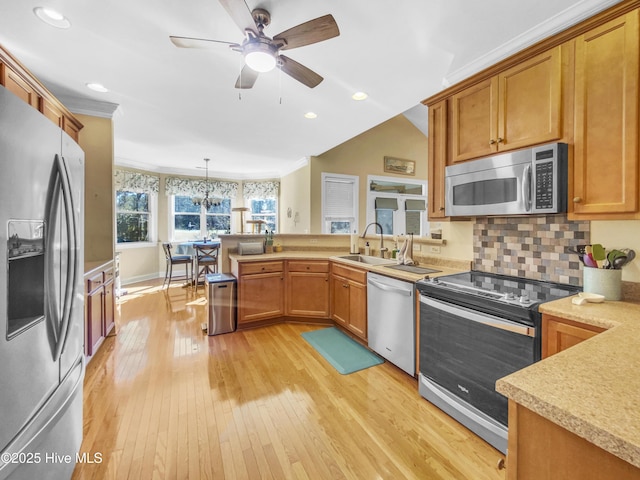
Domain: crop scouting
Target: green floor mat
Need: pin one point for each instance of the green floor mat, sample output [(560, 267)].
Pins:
[(346, 355)]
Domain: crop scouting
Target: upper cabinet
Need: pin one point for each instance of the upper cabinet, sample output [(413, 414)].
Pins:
[(605, 167), (19, 81), (516, 108), (580, 87), (437, 158)]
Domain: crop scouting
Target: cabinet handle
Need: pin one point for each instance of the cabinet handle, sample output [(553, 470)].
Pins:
[(500, 140), (492, 142), (577, 199), (345, 285), (442, 209)]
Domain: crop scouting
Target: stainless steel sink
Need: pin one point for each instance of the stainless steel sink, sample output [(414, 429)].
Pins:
[(367, 259), (414, 269)]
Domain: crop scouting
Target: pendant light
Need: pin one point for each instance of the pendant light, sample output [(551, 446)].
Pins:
[(206, 201)]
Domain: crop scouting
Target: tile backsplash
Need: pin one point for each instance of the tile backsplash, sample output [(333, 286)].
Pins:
[(530, 247)]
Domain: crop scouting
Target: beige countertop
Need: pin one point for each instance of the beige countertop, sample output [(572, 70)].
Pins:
[(446, 266), (593, 388), (92, 267)]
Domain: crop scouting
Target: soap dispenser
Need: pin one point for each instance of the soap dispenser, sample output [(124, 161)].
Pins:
[(367, 249)]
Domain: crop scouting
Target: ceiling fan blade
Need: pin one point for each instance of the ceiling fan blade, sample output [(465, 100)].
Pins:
[(240, 14), (247, 78), (299, 72), (190, 42), (313, 31)]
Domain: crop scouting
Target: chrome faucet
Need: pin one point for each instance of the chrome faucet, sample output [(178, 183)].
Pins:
[(382, 247)]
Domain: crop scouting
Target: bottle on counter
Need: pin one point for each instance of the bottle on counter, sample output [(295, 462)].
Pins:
[(367, 249)]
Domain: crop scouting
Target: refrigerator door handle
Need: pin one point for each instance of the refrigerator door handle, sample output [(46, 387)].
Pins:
[(72, 268), (53, 196)]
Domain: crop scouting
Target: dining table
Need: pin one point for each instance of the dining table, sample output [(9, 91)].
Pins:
[(189, 248)]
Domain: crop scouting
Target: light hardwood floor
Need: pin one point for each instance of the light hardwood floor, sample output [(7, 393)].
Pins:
[(164, 400)]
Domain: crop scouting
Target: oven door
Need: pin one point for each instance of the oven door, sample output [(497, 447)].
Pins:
[(465, 351), (495, 190)]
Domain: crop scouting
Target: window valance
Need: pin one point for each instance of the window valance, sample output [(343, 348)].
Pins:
[(192, 187), (268, 189), (136, 182)]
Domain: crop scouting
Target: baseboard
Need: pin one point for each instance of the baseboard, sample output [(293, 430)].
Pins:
[(141, 278)]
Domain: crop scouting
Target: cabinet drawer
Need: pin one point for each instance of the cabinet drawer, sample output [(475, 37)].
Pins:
[(108, 275), (94, 282), (355, 274), (308, 266), (261, 267)]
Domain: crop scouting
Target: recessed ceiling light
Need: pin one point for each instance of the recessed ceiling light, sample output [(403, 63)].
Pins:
[(52, 17), (97, 87), (359, 96), (310, 115)]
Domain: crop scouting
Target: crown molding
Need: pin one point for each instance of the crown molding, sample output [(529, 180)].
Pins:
[(550, 27), (87, 106)]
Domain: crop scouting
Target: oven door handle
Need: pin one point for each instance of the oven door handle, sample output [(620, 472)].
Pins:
[(483, 318)]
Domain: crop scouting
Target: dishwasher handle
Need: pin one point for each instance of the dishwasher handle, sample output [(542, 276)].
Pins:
[(388, 288)]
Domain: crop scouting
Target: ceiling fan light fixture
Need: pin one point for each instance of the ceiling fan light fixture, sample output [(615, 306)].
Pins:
[(260, 61)]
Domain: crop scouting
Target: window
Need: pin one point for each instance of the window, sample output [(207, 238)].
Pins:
[(262, 199), (190, 221), (399, 206), (339, 203), (265, 209), (133, 217), (136, 195)]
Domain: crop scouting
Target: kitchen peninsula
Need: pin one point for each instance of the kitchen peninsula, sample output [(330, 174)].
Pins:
[(573, 415)]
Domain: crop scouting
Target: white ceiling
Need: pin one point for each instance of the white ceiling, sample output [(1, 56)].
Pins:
[(178, 106)]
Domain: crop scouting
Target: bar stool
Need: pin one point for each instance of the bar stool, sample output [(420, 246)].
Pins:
[(172, 260), (206, 259)]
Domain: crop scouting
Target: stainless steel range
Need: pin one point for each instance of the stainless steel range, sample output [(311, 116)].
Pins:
[(475, 328)]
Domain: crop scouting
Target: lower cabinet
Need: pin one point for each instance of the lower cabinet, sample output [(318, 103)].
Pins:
[(307, 288), (99, 306), (559, 334), (349, 298), (260, 291)]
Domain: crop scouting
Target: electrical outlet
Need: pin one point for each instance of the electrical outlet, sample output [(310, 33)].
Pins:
[(434, 249), (313, 240)]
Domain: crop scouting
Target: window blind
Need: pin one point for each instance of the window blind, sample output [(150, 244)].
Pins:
[(415, 205), (339, 195)]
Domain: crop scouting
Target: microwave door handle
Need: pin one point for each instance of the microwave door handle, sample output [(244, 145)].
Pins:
[(526, 188)]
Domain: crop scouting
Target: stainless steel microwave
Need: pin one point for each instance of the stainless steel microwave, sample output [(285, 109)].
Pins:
[(524, 182)]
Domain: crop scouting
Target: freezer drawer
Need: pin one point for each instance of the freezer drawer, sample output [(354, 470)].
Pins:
[(221, 296), (391, 320)]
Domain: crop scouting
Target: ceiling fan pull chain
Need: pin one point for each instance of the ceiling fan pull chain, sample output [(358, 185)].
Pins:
[(280, 84)]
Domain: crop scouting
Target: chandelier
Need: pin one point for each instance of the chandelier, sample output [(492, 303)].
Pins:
[(206, 201)]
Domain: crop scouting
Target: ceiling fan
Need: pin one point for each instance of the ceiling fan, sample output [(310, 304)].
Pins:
[(262, 53)]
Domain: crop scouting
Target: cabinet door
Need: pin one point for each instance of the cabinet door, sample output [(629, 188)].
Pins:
[(605, 167), (437, 158), (18, 86), (52, 112), (308, 294), (474, 121), (358, 309), (529, 102), (340, 300), (558, 334), (260, 297), (109, 308), (94, 321)]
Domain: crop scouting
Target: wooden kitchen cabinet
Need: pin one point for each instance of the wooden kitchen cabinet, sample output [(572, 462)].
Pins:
[(560, 334), (18, 80), (99, 306), (542, 450), (517, 108), (260, 291), (437, 159), (349, 298), (307, 285), (605, 167)]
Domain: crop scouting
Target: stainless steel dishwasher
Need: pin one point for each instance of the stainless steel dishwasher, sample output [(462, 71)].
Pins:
[(391, 320)]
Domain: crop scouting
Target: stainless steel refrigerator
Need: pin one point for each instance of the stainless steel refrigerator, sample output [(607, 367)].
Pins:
[(41, 294)]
